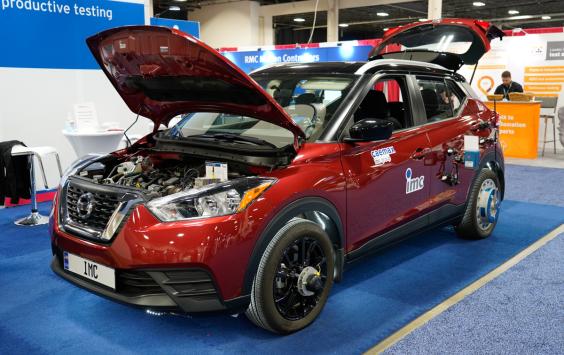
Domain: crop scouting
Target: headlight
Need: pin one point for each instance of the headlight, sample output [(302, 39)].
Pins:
[(211, 201), (77, 165)]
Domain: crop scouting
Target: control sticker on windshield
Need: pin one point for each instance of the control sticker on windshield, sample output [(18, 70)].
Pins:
[(413, 183), (383, 155)]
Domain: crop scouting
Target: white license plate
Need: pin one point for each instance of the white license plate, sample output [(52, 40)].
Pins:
[(90, 270)]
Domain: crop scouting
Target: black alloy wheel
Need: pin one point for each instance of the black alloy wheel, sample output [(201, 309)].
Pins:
[(294, 278), (300, 278)]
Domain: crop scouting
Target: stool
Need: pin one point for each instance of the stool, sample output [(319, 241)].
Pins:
[(549, 103), (35, 218)]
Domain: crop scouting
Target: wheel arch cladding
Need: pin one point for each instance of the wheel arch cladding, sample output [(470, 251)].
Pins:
[(494, 162), (494, 165), (316, 209)]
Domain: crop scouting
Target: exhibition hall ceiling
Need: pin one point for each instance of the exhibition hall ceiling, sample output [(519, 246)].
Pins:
[(369, 22)]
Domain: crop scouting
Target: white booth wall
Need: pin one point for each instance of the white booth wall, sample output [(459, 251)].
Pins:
[(37, 102)]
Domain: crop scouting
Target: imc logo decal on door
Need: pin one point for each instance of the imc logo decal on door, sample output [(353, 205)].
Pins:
[(413, 183)]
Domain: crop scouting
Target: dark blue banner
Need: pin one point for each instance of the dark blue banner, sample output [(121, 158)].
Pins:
[(249, 61), (52, 33)]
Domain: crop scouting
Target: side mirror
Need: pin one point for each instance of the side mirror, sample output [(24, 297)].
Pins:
[(370, 129)]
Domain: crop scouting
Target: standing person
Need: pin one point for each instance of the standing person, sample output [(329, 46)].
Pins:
[(507, 86)]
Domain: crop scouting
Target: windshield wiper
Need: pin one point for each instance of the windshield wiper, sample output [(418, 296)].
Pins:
[(234, 138)]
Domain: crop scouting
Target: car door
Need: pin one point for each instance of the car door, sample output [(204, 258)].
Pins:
[(387, 181), (450, 119)]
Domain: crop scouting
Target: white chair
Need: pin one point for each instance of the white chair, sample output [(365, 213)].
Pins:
[(40, 153)]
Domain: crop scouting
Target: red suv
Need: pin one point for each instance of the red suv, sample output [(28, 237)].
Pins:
[(271, 184)]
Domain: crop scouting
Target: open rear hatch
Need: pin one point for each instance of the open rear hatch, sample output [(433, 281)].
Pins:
[(161, 72), (450, 43)]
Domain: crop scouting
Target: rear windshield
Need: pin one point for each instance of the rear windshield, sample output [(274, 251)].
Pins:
[(311, 101), (443, 38)]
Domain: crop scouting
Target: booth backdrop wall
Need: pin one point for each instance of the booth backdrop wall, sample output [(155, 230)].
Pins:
[(46, 68), (535, 59)]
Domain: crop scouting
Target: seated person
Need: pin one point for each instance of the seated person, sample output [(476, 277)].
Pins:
[(507, 86)]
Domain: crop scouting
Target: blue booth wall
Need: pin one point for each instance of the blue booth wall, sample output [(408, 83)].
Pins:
[(252, 60), (52, 33)]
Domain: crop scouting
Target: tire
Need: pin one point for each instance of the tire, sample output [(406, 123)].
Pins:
[(482, 210), (263, 310)]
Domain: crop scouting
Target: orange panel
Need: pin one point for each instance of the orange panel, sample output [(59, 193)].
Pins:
[(519, 128)]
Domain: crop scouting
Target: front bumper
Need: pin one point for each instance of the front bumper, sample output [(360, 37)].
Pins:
[(166, 256), (186, 290)]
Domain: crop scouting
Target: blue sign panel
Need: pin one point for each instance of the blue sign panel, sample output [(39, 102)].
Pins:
[(190, 27), (249, 61), (52, 33)]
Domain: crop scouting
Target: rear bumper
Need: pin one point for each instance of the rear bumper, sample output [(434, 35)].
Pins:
[(183, 290)]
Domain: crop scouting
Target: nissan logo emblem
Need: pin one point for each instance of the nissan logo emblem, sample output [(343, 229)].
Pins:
[(85, 205)]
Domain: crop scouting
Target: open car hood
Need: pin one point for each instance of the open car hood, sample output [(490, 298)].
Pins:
[(450, 43), (161, 72)]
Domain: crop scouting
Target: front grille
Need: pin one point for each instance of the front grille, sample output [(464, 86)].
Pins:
[(104, 205), (135, 283), (88, 217), (190, 283)]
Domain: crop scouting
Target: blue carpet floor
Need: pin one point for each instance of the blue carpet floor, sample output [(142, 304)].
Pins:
[(520, 312), (532, 184), (41, 313)]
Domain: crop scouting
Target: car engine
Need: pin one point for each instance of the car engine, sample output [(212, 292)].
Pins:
[(155, 177)]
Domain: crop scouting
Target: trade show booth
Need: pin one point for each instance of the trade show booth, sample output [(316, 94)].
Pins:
[(389, 184)]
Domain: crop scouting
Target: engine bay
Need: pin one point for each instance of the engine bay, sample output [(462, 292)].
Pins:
[(157, 174)]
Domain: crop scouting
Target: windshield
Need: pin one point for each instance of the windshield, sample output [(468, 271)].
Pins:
[(310, 101)]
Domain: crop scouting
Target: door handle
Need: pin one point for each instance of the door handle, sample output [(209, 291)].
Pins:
[(420, 153), (479, 125)]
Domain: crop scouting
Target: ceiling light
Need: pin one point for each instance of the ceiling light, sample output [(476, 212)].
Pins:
[(513, 12), (479, 3), (422, 19), (520, 17), (385, 29), (546, 17), (299, 19), (343, 25), (180, 0), (382, 14), (174, 8)]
